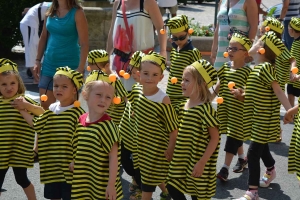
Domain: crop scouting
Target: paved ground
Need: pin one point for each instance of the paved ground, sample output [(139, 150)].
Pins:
[(285, 187)]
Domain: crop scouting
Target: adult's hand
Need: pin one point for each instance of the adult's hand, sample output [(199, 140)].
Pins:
[(37, 70)]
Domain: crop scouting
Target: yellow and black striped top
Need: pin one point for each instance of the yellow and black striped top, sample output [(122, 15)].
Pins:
[(192, 140), (127, 127), (260, 106), (231, 110), (282, 68), (155, 121), (92, 143), (55, 132), (115, 111), (180, 60), (295, 52), (16, 136)]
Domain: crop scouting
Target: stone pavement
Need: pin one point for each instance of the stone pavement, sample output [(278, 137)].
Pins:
[(285, 186)]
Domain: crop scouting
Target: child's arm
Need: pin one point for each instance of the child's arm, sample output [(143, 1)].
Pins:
[(238, 94), (172, 142), (281, 95), (111, 192), (28, 117), (289, 115), (20, 103), (211, 147)]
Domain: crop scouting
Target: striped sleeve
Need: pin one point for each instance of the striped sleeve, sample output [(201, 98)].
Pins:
[(196, 54), (28, 99), (267, 74), (209, 116), (120, 90), (40, 121), (110, 136), (169, 117), (74, 141)]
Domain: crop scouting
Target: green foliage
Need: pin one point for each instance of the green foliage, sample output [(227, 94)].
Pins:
[(201, 30), (11, 11), (271, 12)]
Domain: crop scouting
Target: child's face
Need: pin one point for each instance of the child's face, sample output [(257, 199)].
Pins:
[(236, 51), (150, 75), (63, 90), (188, 84), (180, 38), (135, 74), (9, 85), (100, 97)]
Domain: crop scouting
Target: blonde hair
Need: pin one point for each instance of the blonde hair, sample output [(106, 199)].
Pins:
[(54, 6), (89, 86), (21, 85), (201, 86)]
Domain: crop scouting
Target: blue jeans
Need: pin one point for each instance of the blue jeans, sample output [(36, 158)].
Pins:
[(287, 39)]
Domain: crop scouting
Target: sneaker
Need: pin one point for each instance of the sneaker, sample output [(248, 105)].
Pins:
[(165, 196), (133, 186), (137, 195), (240, 165), (267, 178), (250, 195), (223, 174)]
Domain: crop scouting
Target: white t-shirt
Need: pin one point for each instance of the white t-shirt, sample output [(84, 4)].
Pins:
[(166, 3), (57, 109), (158, 97), (32, 17)]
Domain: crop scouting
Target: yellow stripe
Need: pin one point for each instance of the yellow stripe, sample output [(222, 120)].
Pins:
[(71, 76), (294, 26), (154, 59), (241, 41), (271, 45), (7, 67), (203, 73), (97, 60), (180, 29), (274, 28)]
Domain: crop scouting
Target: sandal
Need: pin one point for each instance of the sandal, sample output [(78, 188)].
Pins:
[(36, 156), (136, 196), (133, 186), (280, 137)]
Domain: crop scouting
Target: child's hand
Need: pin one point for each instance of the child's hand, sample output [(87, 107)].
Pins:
[(169, 154), (19, 103), (198, 169), (111, 192), (293, 77), (238, 94), (288, 117), (71, 166)]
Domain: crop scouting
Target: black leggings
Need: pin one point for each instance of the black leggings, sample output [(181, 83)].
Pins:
[(176, 194), (126, 160), (20, 176), (257, 151)]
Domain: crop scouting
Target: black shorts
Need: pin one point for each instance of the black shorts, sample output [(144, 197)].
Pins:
[(232, 145), (144, 187), (292, 90), (60, 190)]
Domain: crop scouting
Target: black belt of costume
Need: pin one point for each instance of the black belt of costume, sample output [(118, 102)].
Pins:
[(122, 54)]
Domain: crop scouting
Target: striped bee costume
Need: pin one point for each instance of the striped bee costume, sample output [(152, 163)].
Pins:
[(180, 58), (55, 132), (191, 143)]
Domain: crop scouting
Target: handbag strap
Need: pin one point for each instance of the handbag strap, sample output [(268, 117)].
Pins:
[(126, 24), (228, 2)]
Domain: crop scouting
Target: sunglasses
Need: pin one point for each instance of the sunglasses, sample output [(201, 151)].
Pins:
[(234, 49), (180, 38)]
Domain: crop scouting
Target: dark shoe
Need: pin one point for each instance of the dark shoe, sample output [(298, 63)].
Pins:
[(223, 174), (240, 165)]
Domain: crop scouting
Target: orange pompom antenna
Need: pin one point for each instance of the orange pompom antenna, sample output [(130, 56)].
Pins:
[(267, 28), (220, 100), (89, 68), (117, 100), (162, 31), (76, 104), (174, 80), (190, 31), (44, 98), (122, 72), (231, 85), (294, 70), (262, 51), (112, 77), (126, 76), (225, 54)]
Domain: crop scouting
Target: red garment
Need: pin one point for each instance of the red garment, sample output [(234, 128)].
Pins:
[(82, 119), (258, 2)]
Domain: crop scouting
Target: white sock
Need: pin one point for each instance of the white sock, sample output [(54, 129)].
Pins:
[(227, 167), (242, 156)]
